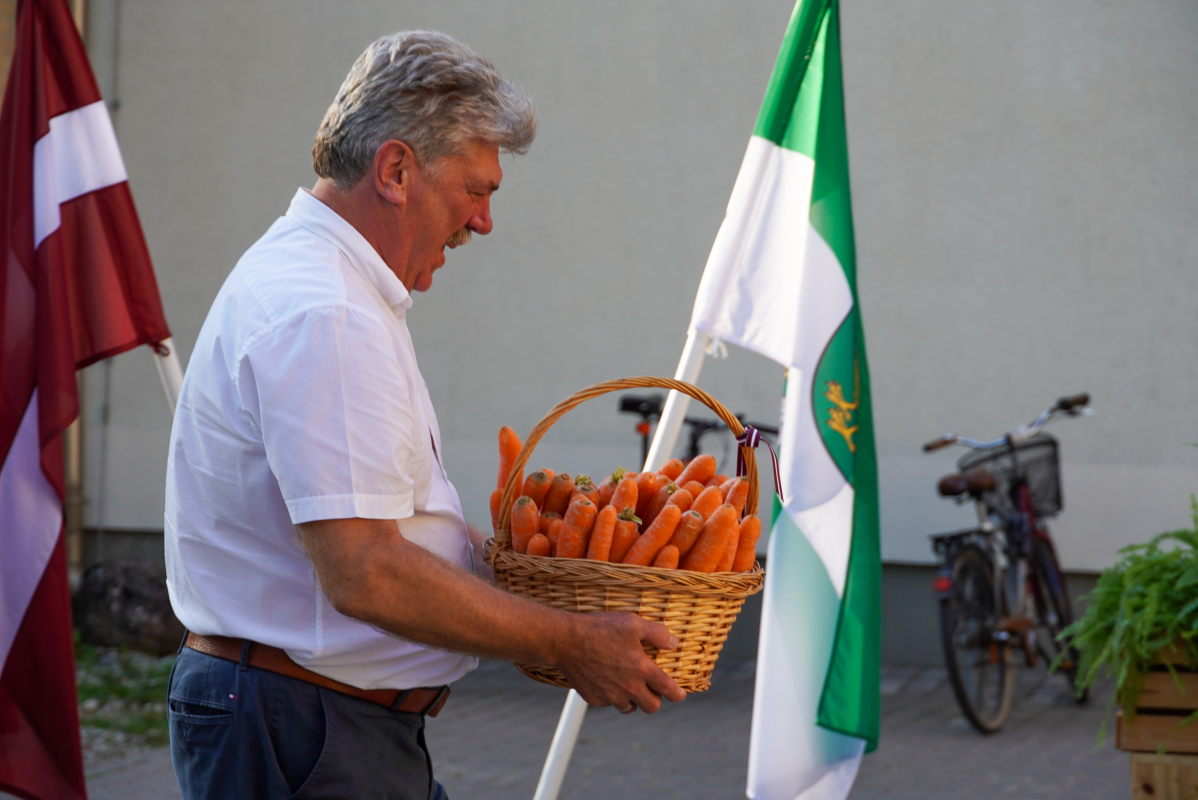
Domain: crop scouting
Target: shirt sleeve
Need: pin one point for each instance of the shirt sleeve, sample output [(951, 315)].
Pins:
[(333, 406)]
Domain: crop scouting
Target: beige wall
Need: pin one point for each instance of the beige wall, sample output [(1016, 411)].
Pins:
[(1024, 180)]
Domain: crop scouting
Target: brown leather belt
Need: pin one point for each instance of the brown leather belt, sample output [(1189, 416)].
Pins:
[(428, 701)]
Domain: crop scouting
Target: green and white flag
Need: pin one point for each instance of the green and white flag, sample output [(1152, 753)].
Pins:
[(781, 280)]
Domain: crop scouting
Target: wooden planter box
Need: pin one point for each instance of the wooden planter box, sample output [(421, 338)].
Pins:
[(1162, 705)]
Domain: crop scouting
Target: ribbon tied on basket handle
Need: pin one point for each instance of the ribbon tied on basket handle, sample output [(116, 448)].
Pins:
[(751, 438)]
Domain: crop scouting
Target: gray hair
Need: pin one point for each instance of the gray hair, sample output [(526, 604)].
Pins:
[(427, 90)]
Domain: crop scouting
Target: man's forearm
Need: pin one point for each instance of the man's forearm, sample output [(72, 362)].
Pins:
[(400, 587)]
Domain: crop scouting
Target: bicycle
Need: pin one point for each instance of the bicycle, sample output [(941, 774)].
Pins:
[(649, 408), (1000, 587)]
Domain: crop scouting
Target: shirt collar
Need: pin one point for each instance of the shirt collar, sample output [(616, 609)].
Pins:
[(305, 210)]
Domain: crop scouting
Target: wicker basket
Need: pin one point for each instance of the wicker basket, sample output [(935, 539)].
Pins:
[(698, 608)]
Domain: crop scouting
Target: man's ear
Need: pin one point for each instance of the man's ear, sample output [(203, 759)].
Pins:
[(395, 169)]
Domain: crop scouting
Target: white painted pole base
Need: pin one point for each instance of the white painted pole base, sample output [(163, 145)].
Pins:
[(562, 747), (169, 370), (666, 435)]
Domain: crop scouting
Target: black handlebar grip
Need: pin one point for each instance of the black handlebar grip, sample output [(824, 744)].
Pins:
[(936, 444), (1075, 401)]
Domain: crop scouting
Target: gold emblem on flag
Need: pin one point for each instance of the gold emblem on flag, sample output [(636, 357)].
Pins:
[(840, 416)]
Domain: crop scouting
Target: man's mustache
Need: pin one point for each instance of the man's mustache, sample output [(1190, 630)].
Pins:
[(459, 238)]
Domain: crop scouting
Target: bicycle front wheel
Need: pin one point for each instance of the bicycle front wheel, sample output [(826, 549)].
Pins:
[(1054, 613), (979, 666)]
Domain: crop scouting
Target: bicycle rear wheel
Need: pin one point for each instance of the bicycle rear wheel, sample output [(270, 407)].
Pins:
[(978, 665), (1054, 613)]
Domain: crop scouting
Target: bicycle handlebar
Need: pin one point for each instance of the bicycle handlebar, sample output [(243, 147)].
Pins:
[(1069, 406)]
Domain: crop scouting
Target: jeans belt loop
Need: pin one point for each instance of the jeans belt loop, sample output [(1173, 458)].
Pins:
[(245, 654), (400, 698)]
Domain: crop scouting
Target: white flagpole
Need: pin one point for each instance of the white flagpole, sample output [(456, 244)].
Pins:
[(169, 369), (664, 438)]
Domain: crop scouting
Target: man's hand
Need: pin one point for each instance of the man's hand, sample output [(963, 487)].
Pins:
[(607, 665), (369, 571)]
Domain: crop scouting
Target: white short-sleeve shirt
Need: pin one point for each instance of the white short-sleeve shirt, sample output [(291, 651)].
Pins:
[(303, 401)]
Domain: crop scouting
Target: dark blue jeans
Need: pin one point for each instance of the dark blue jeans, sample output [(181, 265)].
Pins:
[(247, 733)]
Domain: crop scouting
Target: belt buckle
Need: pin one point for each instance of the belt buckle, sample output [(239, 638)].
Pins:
[(435, 707)]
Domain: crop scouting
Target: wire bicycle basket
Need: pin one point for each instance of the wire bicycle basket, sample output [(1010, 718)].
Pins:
[(1037, 459)]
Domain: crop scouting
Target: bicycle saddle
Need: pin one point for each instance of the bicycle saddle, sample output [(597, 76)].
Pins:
[(975, 483)]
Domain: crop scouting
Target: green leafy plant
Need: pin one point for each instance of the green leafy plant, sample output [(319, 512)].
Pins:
[(1140, 606)]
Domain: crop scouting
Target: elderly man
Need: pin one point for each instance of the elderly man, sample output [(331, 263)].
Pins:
[(315, 547)]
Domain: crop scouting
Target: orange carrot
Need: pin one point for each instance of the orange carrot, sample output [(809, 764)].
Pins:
[(667, 558), (525, 523), (646, 490), (707, 502), (509, 448), (536, 486), (746, 545), (687, 532), (729, 552), (599, 548), (558, 498), (659, 502), (576, 528), (583, 486), (538, 545), (672, 468), (625, 534), (555, 530), (700, 469), (706, 554), (716, 480), (693, 487), (625, 495), (496, 496), (737, 494), (545, 519), (655, 537), (608, 487), (681, 498)]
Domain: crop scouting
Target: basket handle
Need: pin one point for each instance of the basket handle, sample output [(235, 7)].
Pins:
[(503, 528)]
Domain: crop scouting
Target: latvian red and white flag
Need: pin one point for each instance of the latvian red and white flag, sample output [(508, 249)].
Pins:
[(77, 287)]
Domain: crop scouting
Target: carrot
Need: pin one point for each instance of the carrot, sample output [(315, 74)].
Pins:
[(545, 519), (681, 498), (706, 554), (555, 531), (746, 545), (737, 494), (583, 486), (496, 496), (624, 536), (576, 528), (509, 448), (538, 545), (655, 537), (694, 487), (525, 523), (672, 468), (716, 480), (667, 558), (608, 487), (625, 495), (599, 548), (558, 498), (536, 486), (687, 532), (700, 469), (707, 502), (646, 490), (729, 552), (659, 502)]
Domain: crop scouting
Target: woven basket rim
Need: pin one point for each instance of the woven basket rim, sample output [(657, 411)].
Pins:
[(627, 576)]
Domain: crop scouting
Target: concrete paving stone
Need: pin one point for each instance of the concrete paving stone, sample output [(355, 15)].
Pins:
[(490, 742)]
